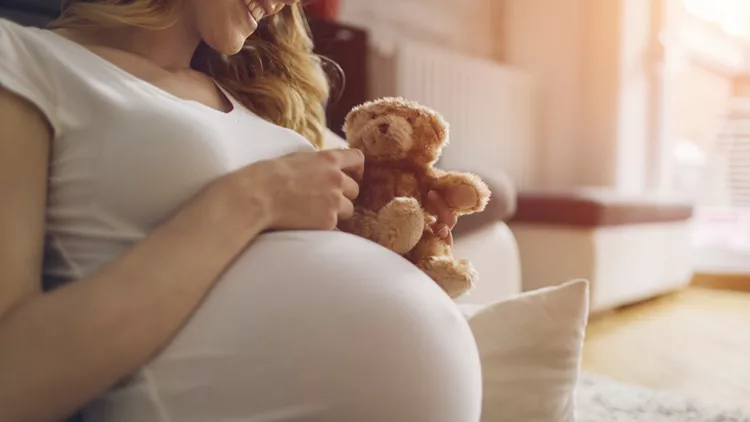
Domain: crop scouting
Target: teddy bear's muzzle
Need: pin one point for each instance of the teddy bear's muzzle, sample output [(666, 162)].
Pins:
[(390, 135)]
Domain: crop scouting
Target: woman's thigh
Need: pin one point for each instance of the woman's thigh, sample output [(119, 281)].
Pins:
[(312, 326)]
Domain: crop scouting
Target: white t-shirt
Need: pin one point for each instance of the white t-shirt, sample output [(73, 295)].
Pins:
[(126, 154)]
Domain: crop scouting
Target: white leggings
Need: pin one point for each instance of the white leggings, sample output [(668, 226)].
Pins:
[(311, 326)]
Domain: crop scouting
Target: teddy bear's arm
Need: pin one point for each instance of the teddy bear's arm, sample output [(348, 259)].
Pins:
[(468, 193)]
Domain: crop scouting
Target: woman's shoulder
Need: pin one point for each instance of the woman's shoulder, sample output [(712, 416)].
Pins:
[(28, 66), (8, 27), (17, 36), (23, 47)]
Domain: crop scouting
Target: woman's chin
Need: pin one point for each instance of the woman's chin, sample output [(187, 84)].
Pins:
[(230, 44), (235, 48)]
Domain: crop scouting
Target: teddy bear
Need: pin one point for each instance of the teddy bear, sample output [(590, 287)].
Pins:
[(401, 141)]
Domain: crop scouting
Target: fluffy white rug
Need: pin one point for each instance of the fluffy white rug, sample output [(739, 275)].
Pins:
[(600, 399)]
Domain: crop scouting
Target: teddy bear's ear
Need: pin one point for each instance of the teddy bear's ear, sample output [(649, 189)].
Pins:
[(345, 126), (439, 125), (349, 119), (356, 111)]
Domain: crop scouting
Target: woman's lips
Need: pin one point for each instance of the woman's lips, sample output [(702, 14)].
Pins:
[(259, 9), (254, 13), (269, 6)]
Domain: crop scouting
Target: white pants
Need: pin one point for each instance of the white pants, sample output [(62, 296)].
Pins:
[(311, 326)]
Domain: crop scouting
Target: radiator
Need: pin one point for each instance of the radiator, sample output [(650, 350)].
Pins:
[(490, 107)]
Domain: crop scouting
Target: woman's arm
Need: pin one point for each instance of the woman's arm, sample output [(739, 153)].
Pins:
[(60, 349)]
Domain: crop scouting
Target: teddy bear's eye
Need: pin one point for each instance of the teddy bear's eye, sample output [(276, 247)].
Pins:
[(410, 120)]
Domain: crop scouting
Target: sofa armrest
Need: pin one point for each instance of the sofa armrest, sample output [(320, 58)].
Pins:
[(494, 253)]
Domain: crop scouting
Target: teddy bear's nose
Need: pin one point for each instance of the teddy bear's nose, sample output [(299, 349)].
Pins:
[(383, 127)]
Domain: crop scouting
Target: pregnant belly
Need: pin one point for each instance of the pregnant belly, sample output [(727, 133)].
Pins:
[(306, 324), (292, 277)]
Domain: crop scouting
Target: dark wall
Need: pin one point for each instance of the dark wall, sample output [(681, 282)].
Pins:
[(30, 12), (346, 46)]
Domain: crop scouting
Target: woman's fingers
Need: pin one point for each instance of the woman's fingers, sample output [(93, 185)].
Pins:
[(352, 161), (441, 209), (444, 232), (441, 230), (350, 188), (346, 209), (446, 220)]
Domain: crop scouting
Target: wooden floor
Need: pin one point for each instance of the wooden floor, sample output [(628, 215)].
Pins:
[(695, 342)]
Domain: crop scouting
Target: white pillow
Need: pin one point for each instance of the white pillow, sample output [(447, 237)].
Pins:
[(530, 349)]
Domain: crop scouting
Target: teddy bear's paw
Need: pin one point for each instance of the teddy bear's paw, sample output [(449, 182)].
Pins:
[(464, 197), (456, 277), (401, 225)]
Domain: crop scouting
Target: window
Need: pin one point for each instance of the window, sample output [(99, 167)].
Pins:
[(709, 133), (730, 15)]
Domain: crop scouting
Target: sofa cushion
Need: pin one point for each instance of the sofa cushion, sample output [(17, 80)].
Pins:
[(530, 348)]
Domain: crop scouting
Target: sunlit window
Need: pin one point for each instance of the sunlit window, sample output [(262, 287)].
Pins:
[(733, 16), (709, 138)]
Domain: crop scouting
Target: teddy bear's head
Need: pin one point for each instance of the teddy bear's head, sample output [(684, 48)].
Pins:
[(394, 129)]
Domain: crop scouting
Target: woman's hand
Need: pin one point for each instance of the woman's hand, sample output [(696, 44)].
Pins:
[(446, 219), (301, 191)]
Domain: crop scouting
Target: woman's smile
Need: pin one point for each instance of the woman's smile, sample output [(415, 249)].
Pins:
[(255, 13), (259, 9)]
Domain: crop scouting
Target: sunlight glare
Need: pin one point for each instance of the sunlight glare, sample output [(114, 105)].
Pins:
[(732, 15)]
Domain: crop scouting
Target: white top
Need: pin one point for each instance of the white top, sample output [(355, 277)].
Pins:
[(126, 154)]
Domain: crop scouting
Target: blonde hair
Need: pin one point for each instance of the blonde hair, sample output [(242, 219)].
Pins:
[(276, 74)]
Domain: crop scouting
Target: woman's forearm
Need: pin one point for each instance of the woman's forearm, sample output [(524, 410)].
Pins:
[(60, 349)]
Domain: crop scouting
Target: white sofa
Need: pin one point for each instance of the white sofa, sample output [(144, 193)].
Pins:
[(494, 253)]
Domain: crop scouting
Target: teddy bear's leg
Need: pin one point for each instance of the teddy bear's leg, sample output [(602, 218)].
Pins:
[(399, 225), (454, 276), (361, 223), (433, 256)]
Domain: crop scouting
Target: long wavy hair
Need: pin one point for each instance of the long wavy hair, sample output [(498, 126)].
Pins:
[(276, 74)]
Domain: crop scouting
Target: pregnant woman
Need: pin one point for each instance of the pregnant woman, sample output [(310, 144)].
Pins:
[(161, 170)]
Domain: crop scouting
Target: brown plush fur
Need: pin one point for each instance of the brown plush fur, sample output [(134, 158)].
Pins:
[(402, 140)]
